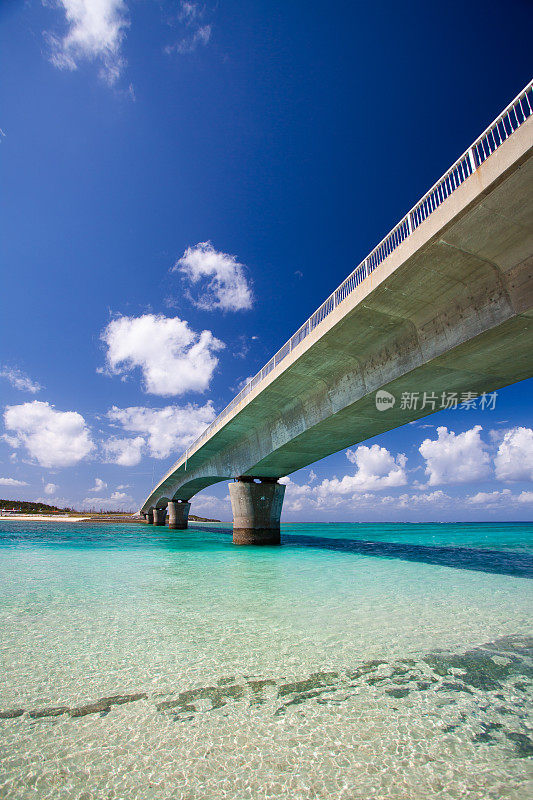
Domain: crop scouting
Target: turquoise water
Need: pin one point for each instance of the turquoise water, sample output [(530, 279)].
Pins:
[(355, 661)]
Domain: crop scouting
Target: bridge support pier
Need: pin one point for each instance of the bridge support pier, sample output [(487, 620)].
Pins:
[(150, 516), (159, 516), (178, 515), (256, 510)]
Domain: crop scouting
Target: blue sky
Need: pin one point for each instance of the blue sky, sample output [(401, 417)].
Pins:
[(183, 184)]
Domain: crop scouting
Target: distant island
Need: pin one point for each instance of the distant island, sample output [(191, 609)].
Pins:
[(30, 507)]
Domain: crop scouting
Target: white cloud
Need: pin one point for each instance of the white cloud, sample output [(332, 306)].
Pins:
[(298, 496), (305, 497), (51, 488), (455, 458), (199, 33), (490, 499), (429, 499), (330, 495), (376, 469), (119, 501), (189, 11), (167, 430), (58, 502), (514, 459), (99, 485), (53, 438), (241, 347), (498, 499), (223, 280), (19, 380), (12, 482), (525, 497), (172, 357), (125, 452), (95, 31), (243, 383), (207, 505), (188, 44)]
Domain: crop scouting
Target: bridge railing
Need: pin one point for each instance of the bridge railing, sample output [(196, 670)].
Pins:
[(511, 118)]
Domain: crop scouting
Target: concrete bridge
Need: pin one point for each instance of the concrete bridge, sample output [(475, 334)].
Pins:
[(442, 308)]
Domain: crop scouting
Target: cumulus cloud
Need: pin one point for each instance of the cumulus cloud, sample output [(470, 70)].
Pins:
[(525, 497), (434, 499), (53, 438), (126, 452), (490, 499), (118, 501), (51, 488), (19, 380), (12, 482), (298, 496), (208, 505), (455, 458), (166, 430), (173, 358), (377, 468), (514, 459), (220, 279), (95, 31), (99, 485), (499, 498)]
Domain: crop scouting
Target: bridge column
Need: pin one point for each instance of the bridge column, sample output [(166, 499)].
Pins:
[(159, 516), (150, 516), (178, 515), (256, 510)]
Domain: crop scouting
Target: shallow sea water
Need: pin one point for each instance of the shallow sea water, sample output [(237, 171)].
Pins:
[(355, 661)]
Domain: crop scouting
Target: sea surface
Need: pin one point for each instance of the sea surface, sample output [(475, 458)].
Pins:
[(386, 662)]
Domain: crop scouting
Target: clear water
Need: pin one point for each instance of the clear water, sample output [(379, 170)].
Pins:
[(355, 661)]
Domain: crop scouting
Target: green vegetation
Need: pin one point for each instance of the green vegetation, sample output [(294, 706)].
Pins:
[(28, 506)]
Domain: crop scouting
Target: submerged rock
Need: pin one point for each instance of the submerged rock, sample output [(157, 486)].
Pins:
[(11, 713), (55, 711), (105, 703)]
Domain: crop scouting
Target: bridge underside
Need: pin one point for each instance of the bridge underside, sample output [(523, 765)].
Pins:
[(449, 311)]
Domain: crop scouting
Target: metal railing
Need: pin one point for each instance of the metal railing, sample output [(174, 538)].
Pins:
[(516, 113)]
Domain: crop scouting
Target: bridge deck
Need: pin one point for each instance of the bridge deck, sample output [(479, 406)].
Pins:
[(448, 309)]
